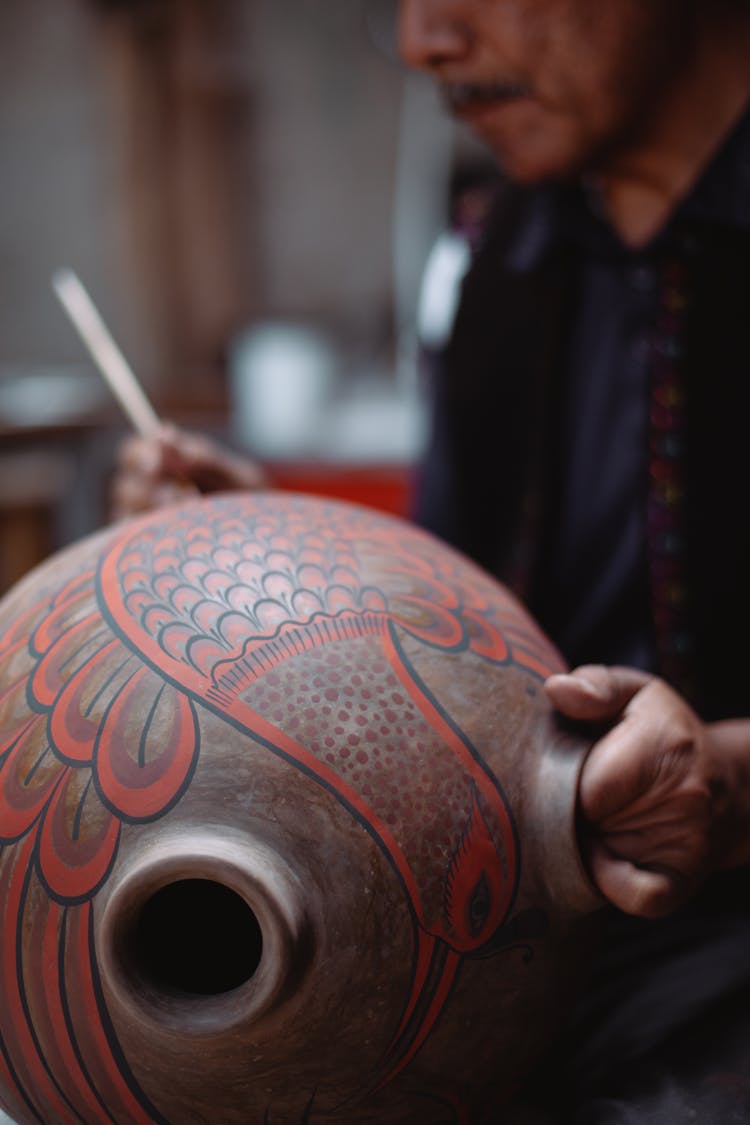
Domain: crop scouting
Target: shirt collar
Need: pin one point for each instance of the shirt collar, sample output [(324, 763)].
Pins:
[(567, 213), (722, 194)]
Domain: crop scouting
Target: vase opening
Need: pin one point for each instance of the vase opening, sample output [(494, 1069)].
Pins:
[(194, 936)]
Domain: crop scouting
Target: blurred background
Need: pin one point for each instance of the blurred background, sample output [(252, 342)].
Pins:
[(257, 197)]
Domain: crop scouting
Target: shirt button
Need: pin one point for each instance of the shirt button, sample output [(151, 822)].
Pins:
[(641, 278)]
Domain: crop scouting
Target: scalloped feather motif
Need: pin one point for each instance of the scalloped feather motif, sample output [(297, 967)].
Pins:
[(206, 607)]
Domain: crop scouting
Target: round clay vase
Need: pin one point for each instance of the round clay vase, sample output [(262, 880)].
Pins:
[(286, 826)]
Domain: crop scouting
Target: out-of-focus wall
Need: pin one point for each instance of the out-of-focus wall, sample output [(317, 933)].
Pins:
[(201, 165), (323, 156), (56, 172)]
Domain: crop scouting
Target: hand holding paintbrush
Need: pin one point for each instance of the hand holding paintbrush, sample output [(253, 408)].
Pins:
[(160, 464)]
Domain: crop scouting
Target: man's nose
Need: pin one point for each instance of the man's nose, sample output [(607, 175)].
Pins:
[(430, 34)]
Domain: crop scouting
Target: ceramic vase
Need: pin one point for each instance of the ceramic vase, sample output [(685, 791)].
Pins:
[(286, 826)]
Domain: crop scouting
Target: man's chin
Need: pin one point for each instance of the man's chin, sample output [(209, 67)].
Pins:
[(532, 158), (534, 168)]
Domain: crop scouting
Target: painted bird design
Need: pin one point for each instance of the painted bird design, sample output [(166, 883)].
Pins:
[(289, 619)]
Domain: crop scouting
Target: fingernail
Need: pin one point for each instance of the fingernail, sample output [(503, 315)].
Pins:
[(596, 691)]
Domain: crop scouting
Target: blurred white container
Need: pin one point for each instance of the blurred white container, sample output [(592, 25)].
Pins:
[(40, 396), (375, 422), (282, 377)]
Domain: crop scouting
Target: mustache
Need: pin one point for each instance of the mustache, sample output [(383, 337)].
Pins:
[(459, 95)]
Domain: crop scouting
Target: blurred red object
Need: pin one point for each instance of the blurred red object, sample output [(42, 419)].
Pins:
[(386, 488)]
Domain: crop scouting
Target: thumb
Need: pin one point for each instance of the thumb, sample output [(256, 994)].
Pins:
[(595, 691)]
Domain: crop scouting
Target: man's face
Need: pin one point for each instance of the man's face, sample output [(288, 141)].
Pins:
[(553, 86)]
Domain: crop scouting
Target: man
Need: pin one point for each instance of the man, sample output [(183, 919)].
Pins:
[(624, 104), (590, 447), (587, 427)]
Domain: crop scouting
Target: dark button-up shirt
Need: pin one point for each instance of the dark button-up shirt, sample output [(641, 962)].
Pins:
[(597, 593)]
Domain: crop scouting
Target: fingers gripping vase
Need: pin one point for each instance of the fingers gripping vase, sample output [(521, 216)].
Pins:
[(286, 826)]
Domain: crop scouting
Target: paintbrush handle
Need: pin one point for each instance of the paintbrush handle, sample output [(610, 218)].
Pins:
[(104, 351)]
